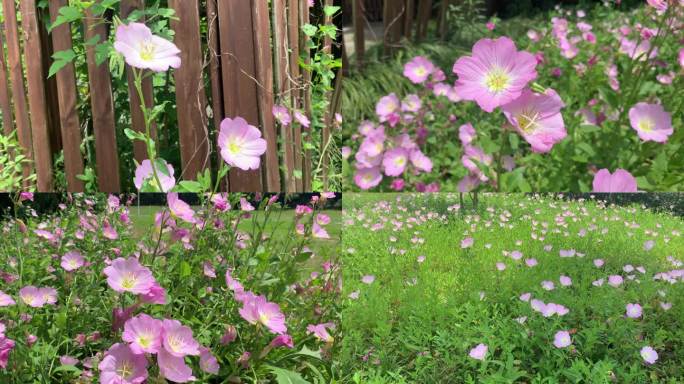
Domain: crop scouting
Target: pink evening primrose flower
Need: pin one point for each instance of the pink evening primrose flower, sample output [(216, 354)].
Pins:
[(368, 178), (651, 122), (282, 115), (32, 296), (394, 161), (143, 50), (72, 261), (649, 354), (173, 367), (620, 181), (208, 362), (615, 280), (387, 109), (241, 144), (495, 74), (478, 352), (6, 346), (321, 331), (144, 333), (537, 118), (562, 339), (127, 275), (6, 300), (420, 161), (121, 366), (257, 310), (368, 279), (633, 311), (145, 172), (302, 119), (177, 339), (467, 242), (418, 69), (466, 133), (565, 281), (180, 209)]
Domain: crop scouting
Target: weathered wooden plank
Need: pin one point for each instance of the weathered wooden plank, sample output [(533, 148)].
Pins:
[(191, 100), (295, 88), (264, 75), (306, 90), (214, 63), (102, 105), (137, 118), (424, 13), (393, 23), (283, 86), (409, 18), (51, 95), (16, 74), (5, 104), (36, 97), (359, 32), (68, 113), (238, 74)]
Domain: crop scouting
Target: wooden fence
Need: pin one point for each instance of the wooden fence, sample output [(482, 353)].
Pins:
[(247, 75)]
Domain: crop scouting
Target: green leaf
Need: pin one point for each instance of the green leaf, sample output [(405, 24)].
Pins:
[(62, 58), (185, 269), (191, 186), (66, 15), (307, 352), (284, 376), (309, 30), (331, 10), (134, 135)]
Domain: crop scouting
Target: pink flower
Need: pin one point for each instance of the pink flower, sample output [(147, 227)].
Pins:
[(548, 285), (23, 196), (490, 26), (282, 115), (637, 52), (395, 160), (319, 232), (6, 346), (525, 296), (173, 367), (467, 242), (368, 279), (531, 262), (127, 275), (121, 366), (562, 339), (565, 281), (282, 341), (660, 5), (537, 118), (387, 109), (496, 73), (143, 50), (208, 362), (241, 144), (479, 352), (72, 261), (180, 209), (321, 331), (615, 280), (368, 178), (620, 181), (649, 355), (145, 173), (651, 122), (257, 310), (156, 295), (177, 339), (633, 311), (681, 57), (49, 294), (245, 205), (32, 296), (418, 69), (411, 103), (6, 300), (648, 245), (466, 133), (598, 263), (302, 119), (144, 334)]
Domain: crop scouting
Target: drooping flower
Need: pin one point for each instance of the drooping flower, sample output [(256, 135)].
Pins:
[(282, 341), (321, 331), (562, 339), (479, 352), (319, 232), (72, 261), (144, 333), (258, 310), (6, 346), (633, 311), (537, 118), (241, 144), (496, 73), (121, 366), (177, 339), (173, 367), (302, 119), (418, 69), (620, 181), (180, 209), (145, 173), (649, 354), (143, 50), (127, 275), (651, 122), (282, 114), (156, 295)]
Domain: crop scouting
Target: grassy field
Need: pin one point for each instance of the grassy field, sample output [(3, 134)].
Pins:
[(432, 301)]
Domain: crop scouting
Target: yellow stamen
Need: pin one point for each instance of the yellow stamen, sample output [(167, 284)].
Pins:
[(646, 125), (497, 80), (147, 51), (527, 120)]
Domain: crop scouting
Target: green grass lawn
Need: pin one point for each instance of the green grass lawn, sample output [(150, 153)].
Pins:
[(417, 321)]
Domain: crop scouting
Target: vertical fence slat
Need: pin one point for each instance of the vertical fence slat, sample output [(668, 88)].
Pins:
[(214, 64), (264, 75), (359, 32), (68, 114), (137, 118), (36, 95), (239, 87), (190, 97), (280, 38), (306, 90), (51, 94), (295, 90), (16, 74), (424, 13), (408, 18), (5, 105), (102, 104)]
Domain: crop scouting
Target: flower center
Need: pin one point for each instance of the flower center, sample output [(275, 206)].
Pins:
[(234, 148), (175, 343), (420, 71), (497, 80), (400, 161), (125, 369), (264, 318), (29, 299), (144, 341), (128, 281), (527, 121), (646, 125), (147, 50)]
